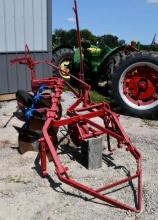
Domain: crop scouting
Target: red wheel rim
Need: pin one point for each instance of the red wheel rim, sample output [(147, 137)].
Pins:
[(138, 85)]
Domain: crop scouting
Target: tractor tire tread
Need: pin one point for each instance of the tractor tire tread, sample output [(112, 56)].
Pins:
[(118, 62), (60, 54)]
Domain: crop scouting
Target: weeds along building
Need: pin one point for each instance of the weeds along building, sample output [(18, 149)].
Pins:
[(21, 22)]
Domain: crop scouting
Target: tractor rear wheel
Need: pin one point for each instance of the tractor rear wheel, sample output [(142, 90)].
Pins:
[(133, 83), (63, 57)]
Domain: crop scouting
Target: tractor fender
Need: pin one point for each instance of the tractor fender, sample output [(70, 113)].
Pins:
[(126, 48)]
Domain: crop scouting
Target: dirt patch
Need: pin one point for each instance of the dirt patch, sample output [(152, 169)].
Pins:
[(24, 194)]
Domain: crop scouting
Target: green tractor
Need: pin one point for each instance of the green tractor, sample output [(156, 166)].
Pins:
[(130, 76)]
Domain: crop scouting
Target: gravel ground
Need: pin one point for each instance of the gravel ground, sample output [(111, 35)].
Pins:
[(24, 194)]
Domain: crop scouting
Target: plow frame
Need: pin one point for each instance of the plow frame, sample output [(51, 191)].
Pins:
[(80, 117), (61, 171)]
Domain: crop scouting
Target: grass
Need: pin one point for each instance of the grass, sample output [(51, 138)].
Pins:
[(97, 97)]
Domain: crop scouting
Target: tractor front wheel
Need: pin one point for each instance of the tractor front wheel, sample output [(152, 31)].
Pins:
[(134, 84), (63, 57)]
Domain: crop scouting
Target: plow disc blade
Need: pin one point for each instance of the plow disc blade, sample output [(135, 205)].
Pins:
[(28, 138), (27, 143)]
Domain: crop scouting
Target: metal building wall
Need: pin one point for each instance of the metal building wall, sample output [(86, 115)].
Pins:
[(23, 21)]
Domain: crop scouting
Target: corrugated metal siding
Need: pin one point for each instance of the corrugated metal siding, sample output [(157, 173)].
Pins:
[(21, 22), (17, 76), (13, 77)]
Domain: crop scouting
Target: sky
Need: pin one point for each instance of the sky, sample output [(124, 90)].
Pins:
[(127, 19)]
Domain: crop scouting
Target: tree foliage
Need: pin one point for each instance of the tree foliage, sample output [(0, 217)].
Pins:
[(149, 47), (87, 35), (64, 37), (61, 36), (110, 40)]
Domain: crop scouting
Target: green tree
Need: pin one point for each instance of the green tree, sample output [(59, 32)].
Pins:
[(110, 40), (72, 37), (61, 36), (87, 35)]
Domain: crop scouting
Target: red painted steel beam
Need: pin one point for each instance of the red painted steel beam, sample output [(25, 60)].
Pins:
[(81, 111)]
